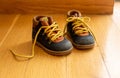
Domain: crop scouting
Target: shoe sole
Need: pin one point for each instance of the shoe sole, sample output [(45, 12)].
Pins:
[(90, 46), (83, 46), (55, 53)]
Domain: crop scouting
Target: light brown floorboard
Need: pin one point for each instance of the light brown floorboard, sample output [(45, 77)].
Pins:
[(86, 64), (5, 25), (19, 36), (107, 31), (112, 46)]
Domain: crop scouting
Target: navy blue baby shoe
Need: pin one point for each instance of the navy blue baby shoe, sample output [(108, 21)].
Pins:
[(79, 31), (49, 37)]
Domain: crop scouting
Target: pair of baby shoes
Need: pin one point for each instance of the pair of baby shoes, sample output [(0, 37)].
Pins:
[(48, 36)]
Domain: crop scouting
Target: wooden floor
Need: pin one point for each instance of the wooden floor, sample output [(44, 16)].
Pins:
[(101, 62)]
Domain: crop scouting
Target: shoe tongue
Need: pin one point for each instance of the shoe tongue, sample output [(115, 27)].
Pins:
[(46, 21)]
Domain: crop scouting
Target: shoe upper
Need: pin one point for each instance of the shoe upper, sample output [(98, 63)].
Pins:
[(49, 36), (78, 29)]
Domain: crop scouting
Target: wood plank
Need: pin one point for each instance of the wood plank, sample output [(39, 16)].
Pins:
[(108, 40), (19, 35), (86, 64), (113, 45), (6, 22), (44, 65), (53, 6), (5, 25)]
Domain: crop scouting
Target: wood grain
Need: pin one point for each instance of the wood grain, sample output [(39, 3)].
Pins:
[(108, 39), (5, 24), (9, 66), (86, 64), (54, 6)]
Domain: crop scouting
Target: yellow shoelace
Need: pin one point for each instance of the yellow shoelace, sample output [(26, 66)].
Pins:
[(79, 25), (49, 30)]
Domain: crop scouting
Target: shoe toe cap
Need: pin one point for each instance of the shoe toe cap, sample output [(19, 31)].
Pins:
[(62, 46), (85, 40)]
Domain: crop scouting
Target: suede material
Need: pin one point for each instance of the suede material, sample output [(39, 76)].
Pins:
[(80, 40), (42, 39)]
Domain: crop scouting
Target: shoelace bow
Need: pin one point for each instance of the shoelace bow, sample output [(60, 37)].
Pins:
[(49, 30)]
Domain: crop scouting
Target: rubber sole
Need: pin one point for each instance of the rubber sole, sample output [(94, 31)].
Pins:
[(83, 46), (55, 53)]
